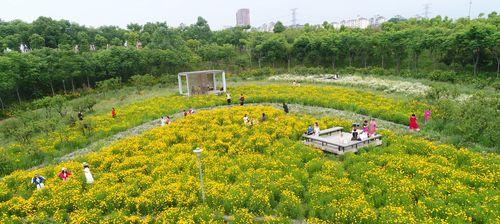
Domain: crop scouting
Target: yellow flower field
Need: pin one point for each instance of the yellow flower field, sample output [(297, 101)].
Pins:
[(67, 139), (260, 171)]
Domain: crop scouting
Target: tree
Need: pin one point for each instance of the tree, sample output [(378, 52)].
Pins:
[(36, 41), (7, 83), (141, 81), (301, 47), (274, 49), (134, 27), (100, 41), (397, 41), (329, 47), (216, 53), (494, 47), (474, 40), (108, 85), (82, 104), (116, 41), (132, 38), (199, 31), (349, 43), (279, 27)]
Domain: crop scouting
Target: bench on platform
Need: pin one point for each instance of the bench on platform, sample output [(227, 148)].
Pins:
[(335, 141)]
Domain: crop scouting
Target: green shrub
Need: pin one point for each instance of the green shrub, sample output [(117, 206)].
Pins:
[(308, 70), (142, 81), (109, 84), (444, 76), (258, 73)]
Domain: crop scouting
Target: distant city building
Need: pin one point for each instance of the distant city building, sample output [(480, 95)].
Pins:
[(267, 27), (243, 17), (377, 20), (360, 22)]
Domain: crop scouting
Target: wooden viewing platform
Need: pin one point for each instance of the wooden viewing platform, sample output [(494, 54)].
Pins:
[(335, 141)]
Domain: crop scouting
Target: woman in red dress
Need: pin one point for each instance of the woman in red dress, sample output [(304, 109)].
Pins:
[(413, 123)]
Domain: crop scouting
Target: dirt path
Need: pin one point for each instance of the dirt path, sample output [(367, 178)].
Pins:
[(294, 109)]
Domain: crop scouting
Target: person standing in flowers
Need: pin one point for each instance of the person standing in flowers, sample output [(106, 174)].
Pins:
[(372, 128), (185, 113), (228, 98), (162, 121), (316, 129), (413, 123), (263, 118), (427, 115), (88, 175), (190, 111), (242, 100), (38, 181), (113, 113), (246, 119), (285, 108), (64, 174), (168, 120), (80, 116)]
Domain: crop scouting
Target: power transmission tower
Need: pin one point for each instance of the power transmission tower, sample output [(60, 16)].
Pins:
[(470, 6), (427, 7), (294, 17)]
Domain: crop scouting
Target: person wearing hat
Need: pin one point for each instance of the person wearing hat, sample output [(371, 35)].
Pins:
[(64, 174), (38, 181), (88, 174)]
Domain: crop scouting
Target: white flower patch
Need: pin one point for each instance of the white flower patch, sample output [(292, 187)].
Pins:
[(386, 85)]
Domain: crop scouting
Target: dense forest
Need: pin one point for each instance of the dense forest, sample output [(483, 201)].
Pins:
[(61, 56)]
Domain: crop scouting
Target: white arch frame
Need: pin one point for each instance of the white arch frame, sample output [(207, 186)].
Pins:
[(195, 73)]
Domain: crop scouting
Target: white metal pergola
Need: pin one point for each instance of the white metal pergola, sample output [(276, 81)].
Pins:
[(201, 82)]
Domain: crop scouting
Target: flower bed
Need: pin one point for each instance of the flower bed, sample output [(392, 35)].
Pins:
[(260, 170), (67, 139), (386, 85)]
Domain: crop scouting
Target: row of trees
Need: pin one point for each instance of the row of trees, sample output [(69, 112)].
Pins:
[(52, 65)]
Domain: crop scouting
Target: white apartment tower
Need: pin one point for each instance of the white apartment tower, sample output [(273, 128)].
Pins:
[(243, 17)]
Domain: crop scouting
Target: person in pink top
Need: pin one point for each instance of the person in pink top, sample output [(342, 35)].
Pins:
[(372, 127), (427, 115), (64, 174)]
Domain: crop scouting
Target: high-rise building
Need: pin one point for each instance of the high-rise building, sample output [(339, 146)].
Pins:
[(243, 17)]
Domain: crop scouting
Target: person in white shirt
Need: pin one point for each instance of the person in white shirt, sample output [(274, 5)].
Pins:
[(246, 119), (316, 129), (228, 98), (88, 175)]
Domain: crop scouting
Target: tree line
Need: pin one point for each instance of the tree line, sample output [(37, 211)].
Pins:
[(53, 65)]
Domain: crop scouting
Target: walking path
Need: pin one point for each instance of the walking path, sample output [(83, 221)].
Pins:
[(294, 109)]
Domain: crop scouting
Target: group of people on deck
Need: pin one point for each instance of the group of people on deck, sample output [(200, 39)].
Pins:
[(368, 130), (313, 130), (64, 175)]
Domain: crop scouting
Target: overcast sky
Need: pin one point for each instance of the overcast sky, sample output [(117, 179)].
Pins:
[(221, 13)]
